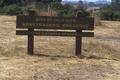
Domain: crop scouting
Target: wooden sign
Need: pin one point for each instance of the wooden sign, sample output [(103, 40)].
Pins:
[(54, 33), (50, 24), (47, 22)]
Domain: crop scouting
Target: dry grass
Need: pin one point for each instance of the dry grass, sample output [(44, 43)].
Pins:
[(55, 60)]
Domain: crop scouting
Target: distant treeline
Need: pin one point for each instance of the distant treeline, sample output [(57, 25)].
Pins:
[(15, 7), (9, 2)]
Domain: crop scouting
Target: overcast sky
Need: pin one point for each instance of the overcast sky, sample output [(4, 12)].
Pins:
[(83, 0)]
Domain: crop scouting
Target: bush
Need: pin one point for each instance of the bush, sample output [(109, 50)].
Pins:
[(2, 3), (41, 6), (26, 8), (56, 6), (66, 10), (15, 9), (110, 15), (110, 12), (116, 15), (12, 9)]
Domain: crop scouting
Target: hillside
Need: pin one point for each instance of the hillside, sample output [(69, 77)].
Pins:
[(55, 58)]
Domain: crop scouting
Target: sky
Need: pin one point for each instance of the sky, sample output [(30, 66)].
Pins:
[(83, 0)]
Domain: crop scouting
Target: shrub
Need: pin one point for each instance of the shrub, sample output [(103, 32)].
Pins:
[(110, 12), (26, 8), (116, 15), (2, 3), (56, 6), (12, 9), (110, 15), (66, 10), (41, 6)]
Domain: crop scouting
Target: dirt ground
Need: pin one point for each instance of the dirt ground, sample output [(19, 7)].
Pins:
[(54, 57)]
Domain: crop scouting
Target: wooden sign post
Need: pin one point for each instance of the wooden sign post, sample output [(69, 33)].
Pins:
[(33, 21), (78, 42), (31, 36), (79, 37)]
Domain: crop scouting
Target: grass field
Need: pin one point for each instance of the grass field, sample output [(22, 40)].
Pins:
[(55, 56)]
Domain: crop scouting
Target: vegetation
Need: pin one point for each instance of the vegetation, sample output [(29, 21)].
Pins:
[(15, 7), (110, 12), (12, 9), (67, 10)]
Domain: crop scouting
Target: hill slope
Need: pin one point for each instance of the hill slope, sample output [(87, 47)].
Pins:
[(55, 60)]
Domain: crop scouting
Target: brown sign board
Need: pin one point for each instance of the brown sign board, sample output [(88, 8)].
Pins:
[(48, 22), (54, 33), (51, 25)]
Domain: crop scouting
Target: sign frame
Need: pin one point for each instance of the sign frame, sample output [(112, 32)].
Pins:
[(78, 31)]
